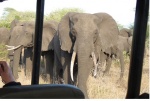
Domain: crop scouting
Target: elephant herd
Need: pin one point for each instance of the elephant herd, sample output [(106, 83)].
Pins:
[(71, 48)]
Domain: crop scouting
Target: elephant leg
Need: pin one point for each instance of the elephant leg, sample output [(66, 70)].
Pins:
[(57, 70), (121, 59), (20, 62), (24, 62), (11, 62), (65, 61), (28, 63), (49, 59), (108, 65), (43, 66)]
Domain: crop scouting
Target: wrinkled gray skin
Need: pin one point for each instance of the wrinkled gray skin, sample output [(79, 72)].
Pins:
[(23, 34), (82, 33), (4, 35)]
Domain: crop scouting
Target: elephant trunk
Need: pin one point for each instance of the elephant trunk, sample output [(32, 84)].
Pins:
[(85, 64), (16, 59), (13, 47)]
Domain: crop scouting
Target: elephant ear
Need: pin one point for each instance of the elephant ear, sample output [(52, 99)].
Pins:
[(108, 30), (64, 32), (49, 30)]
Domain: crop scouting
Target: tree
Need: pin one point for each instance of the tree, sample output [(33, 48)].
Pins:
[(58, 14), (10, 14)]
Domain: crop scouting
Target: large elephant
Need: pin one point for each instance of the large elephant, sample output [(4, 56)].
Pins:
[(4, 35), (123, 45), (82, 35), (22, 36)]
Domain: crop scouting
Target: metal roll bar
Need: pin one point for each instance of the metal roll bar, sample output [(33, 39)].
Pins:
[(37, 41), (138, 46)]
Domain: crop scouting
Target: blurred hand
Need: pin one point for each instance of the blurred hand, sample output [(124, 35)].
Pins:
[(6, 73)]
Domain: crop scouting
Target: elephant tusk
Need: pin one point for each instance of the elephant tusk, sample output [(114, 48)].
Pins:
[(95, 64), (15, 47), (72, 64), (9, 46)]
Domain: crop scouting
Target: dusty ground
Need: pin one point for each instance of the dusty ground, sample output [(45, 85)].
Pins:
[(106, 87)]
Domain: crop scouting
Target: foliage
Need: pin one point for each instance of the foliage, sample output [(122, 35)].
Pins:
[(58, 14), (3, 51), (10, 14)]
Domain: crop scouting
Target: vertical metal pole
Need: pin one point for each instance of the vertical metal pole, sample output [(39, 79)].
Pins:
[(37, 41), (138, 46)]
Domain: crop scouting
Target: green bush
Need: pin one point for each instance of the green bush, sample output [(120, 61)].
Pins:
[(3, 52)]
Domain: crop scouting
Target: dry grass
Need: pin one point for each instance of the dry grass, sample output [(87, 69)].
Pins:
[(106, 87)]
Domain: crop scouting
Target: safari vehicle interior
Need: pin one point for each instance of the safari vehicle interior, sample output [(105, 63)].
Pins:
[(64, 91)]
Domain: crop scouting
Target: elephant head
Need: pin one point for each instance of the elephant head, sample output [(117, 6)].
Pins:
[(22, 36), (85, 34), (19, 38), (126, 32)]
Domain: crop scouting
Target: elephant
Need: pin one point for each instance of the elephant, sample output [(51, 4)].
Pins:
[(4, 35), (22, 37), (126, 32), (123, 45), (79, 38)]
